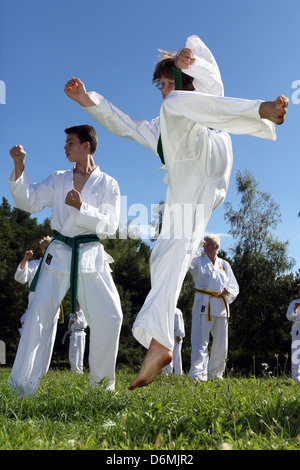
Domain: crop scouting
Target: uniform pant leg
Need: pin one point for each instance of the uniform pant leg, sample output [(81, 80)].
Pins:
[(177, 360), (80, 349), (189, 202), (36, 343), (99, 299), (156, 318), (200, 332), (80, 352), (76, 351), (170, 259), (73, 352), (219, 349), (50, 343)]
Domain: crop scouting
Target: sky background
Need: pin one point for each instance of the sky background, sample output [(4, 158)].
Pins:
[(112, 47)]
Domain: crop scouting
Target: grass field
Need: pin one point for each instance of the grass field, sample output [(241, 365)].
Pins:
[(171, 414)]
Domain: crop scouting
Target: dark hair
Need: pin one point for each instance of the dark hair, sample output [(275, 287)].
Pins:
[(85, 133), (164, 69)]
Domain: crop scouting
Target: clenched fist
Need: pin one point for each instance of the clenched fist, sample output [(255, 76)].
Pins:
[(17, 153), (75, 90), (73, 199), (184, 59)]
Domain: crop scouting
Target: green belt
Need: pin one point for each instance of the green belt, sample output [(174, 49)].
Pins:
[(72, 242), (178, 85)]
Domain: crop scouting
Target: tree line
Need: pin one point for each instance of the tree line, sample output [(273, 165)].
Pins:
[(258, 327)]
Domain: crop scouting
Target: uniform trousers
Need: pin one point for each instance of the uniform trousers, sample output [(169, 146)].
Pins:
[(176, 363), (100, 302), (76, 351), (204, 365)]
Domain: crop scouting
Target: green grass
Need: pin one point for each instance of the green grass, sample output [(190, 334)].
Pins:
[(171, 414)]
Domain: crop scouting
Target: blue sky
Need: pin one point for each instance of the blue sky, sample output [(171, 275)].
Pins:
[(112, 46)]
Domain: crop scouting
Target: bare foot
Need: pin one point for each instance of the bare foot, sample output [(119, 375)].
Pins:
[(157, 357), (274, 110)]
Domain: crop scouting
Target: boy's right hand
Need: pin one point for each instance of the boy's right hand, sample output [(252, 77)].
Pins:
[(184, 58)]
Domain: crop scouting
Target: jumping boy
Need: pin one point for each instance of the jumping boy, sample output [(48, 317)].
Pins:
[(191, 138)]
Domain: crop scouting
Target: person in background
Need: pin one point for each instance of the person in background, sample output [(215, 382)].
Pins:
[(76, 328), (293, 314), (179, 333), (26, 271), (216, 288)]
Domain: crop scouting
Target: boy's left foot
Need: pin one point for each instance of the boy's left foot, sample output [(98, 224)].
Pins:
[(157, 357)]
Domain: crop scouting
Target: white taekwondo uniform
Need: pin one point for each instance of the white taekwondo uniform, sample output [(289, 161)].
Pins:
[(198, 163), (97, 294), (295, 333), (179, 332), (211, 278)]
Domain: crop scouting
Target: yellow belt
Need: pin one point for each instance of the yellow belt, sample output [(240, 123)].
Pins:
[(61, 314), (218, 295)]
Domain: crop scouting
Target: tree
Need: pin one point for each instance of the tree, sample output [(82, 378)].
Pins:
[(263, 270)]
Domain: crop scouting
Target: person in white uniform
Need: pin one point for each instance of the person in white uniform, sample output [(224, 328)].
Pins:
[(85, 206), (76, 330), (190, 135), (293, 314), (216, 288), (26, 270), (179, 333)]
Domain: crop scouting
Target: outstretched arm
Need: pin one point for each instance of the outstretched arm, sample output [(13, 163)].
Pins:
[(274, 111), (18, 154), (26, 269), (28, 254), (28, 197), (112, 118)]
